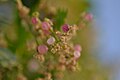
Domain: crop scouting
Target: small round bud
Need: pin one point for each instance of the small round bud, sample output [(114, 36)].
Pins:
[(65, 28), (51, 40), (45, 26), (33, 65), (42, 49), (34, 20), (76, 54), (77, 48), (49, 21), (88, 17), (36, 14)]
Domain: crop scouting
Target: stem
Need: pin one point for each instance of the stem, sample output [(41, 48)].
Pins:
[(27, 18), (55, 36), (30, 29)]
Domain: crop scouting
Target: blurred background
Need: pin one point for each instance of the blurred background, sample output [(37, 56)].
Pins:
[(100, 39)]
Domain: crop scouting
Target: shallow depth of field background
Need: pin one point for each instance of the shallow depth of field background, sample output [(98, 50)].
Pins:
[(100, 42)]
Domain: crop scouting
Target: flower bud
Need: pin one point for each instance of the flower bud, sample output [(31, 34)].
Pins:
[(51, 40), (77, 48), (34, 20), (65, 28), (45, 26), (76, 54), (42, 49), (88, 17)]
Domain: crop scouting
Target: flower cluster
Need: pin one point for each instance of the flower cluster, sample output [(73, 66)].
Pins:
[(54, 48)]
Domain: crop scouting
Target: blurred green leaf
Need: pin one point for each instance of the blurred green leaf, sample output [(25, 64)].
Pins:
[(60, 18), (21, 33)]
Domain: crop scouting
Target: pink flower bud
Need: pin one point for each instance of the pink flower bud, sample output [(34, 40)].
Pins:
[(77, 54), (42, 49), (88, 17), (45, 26), (34, 20), (46, 32), (51, 40), (33, 65), (65, 28), (77, 48)]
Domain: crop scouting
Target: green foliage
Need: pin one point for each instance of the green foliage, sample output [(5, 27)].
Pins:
[(21, 34), (60, 18)]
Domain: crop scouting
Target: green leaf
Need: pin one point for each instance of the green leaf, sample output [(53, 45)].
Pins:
[(60, 19), (21, 33)]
